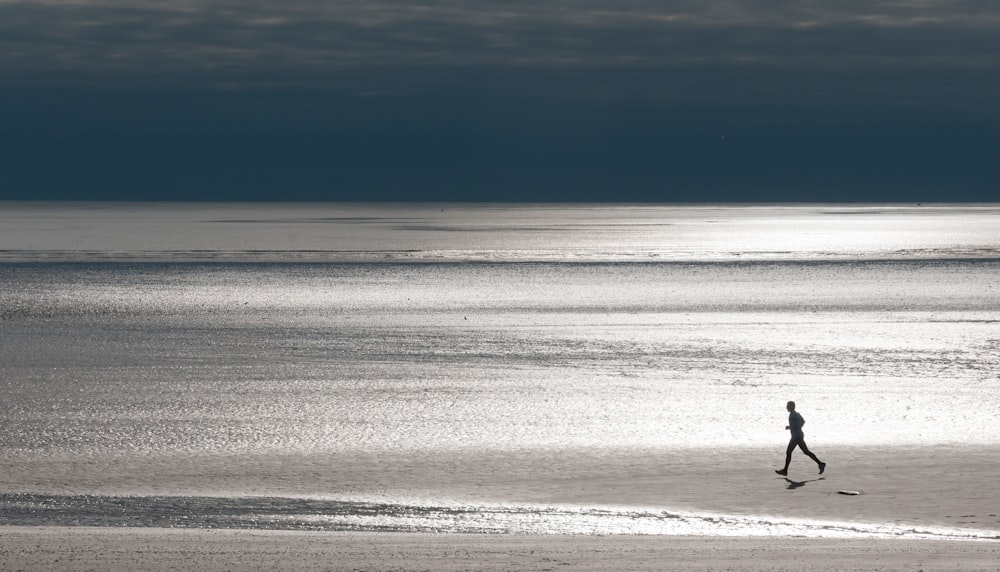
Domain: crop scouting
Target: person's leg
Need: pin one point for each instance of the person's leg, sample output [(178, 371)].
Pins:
[(788, 457), (805, 449)]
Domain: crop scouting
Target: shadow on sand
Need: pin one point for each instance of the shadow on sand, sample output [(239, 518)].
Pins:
[(792, 485)]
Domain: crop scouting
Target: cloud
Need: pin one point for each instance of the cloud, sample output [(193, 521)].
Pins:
[(244, 41), (910, 53)]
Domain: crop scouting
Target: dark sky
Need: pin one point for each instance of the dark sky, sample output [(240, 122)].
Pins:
[(562, 100)]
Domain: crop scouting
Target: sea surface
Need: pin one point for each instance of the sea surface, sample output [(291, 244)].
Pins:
[(336, 366)]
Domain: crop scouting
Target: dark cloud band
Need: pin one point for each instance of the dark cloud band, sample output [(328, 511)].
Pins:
[(261, 42)]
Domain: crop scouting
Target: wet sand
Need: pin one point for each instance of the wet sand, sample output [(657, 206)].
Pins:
[(939, 486), (112, 550)]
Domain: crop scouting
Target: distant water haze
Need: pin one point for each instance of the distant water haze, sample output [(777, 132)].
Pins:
[(500, 232)]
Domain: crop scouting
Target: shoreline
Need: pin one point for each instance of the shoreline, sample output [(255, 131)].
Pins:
[(15, 257)]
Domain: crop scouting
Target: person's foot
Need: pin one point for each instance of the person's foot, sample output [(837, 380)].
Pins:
[(782, 472), (822, 467)]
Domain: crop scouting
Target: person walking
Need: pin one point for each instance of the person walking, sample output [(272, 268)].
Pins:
[(795, 423)]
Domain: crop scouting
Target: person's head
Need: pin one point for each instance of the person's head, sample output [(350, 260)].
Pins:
[(791, 406)]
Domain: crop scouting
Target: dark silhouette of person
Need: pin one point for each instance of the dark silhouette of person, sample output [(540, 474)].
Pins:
[(795, 423)]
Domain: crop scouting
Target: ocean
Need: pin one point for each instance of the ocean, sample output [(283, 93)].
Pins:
[(465, 368)]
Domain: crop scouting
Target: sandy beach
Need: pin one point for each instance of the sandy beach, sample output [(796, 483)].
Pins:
[(916, 487), (944, 489), (111, 550)]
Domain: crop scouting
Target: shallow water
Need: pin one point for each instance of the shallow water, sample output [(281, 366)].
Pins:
[(648, 329), (273, 513)]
